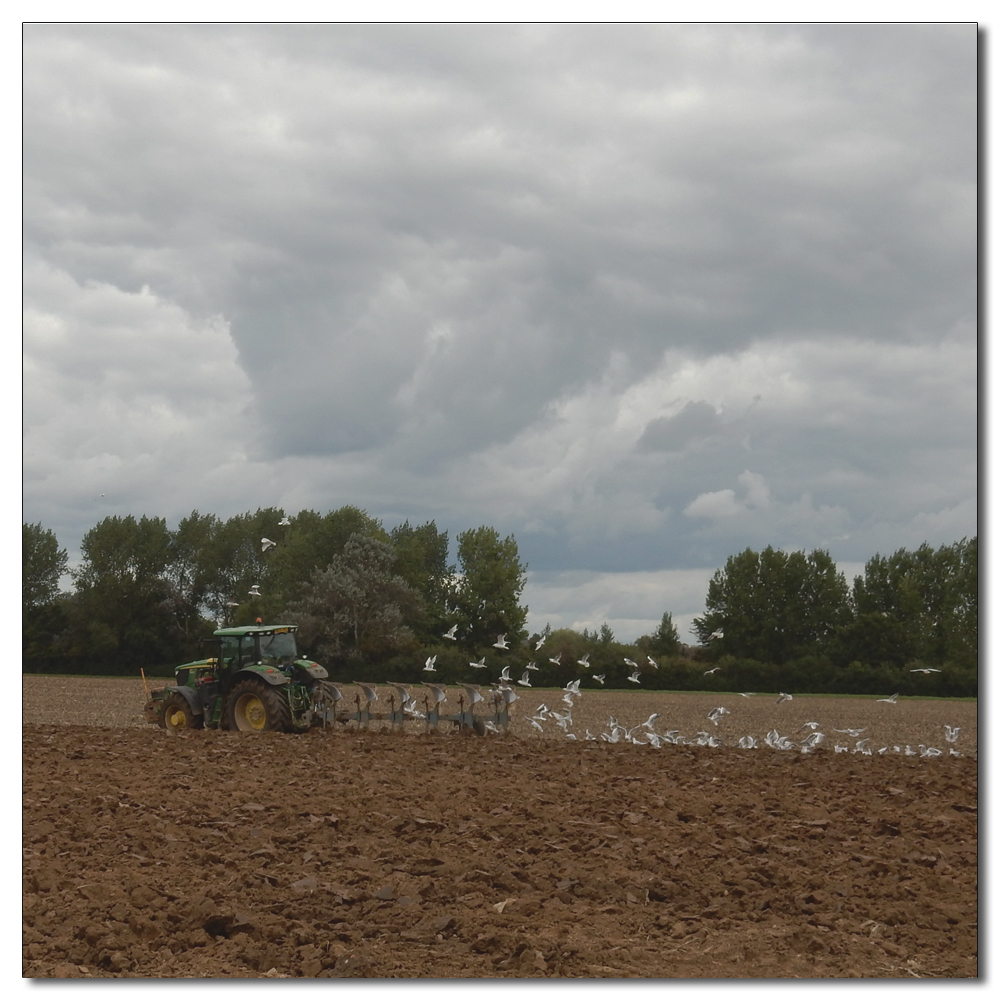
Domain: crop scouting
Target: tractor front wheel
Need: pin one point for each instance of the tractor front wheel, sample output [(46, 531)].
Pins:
[(255, 707), (177, 714)]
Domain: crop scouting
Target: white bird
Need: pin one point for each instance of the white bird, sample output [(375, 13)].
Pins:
[(588, 735), (429, 664), (717, 713), (438, 691), (479, 664), (747, 743), (490, 727), (809, 725), (450, 634), (531, 666), (571, 736), (631, 663), (717, 634), (891, 700), (929, 751), (951, 733), (712, 671), (369, 692), (474, 694), (783, 697), (573, 687), (524, 682), (505, 674), (584, 661), (539, 644), (746, 694), (501, 642), (541, 711), (599, 678), (634, 677), (232, 604), (284, 522), (812, 740), (536, 725), (652, 663), (925, 670), (648, 724), (266, 543), (254, 591), (854, 733), (555, 659)]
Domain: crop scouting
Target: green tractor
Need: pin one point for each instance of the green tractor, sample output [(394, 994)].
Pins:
[(256, 683)]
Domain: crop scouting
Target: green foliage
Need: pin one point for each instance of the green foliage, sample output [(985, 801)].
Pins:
[(42, 563), (422, 561), (353, 611), (488, 591)]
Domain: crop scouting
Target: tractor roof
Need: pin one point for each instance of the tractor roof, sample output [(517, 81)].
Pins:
[(255, 629)]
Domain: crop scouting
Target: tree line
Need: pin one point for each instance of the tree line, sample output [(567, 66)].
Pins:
[(364, 597)]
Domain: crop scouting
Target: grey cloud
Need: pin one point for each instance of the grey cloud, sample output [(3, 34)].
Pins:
[(693, 424)]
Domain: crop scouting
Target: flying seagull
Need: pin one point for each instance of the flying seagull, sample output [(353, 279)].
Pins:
[(524, 681), (284, 522), (429, 664), (653, 663), (712, 671), (951, 733), (925, 670), (746, 694), (717, 634), (891, 700), (450, 634), (631, 663), (599, 678), (266, 543), (717, 713), (505, 674), (232, 604), (584, 661), (501, 642), (555, 659), (854, 733), (634, 677), (783, 697), (539, 644), (531, 666), (254, 591), (479, 665)]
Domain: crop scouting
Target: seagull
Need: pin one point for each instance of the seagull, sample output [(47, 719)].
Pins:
[(370, 693), (438, 691), (555, 659), (266, 543), (648, 724), (573, 687), (951, 733), (474, 694), (747, 743), (853, 733), (812, 740), (746, 694), (599, 678), (925, 670), (631, 663), (490, 727), (809, 725), (891, 700), (539, 644), (429, 664), (480, 665), (505, 674), (718, 713), (536, 725), (585, 661), (712, 671), (501, 642), (531, 666), (717, 634), (232, 604), (929, 751), (652, 663), (783, 697), (524, 682), (634, 677), (450, 634), (254, 590), (284, 522)]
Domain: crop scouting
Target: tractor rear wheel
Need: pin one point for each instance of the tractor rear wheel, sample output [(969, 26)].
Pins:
[(255, 707), (177, 714)]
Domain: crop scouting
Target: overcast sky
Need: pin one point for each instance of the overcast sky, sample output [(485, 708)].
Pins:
[(642, 296)]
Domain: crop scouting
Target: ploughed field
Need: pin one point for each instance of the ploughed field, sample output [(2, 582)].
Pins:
[(348, 853)]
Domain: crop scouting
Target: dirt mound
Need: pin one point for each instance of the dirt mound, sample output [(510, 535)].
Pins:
[(365, 854)]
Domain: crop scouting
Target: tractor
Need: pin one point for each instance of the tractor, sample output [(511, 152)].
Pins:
[(255, 683)]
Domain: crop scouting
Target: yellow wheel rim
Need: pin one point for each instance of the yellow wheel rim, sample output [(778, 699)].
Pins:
[(250, 713), (176, 719)]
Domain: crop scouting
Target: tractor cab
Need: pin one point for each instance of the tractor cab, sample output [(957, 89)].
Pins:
[(271, 645)]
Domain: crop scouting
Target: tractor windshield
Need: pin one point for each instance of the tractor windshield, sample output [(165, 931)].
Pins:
[(279, 648)]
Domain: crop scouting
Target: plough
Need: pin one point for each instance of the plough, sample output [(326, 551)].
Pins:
[(330, 697)]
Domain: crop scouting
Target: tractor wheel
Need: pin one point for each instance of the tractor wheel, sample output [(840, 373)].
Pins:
[(177, 714), (255, 707)]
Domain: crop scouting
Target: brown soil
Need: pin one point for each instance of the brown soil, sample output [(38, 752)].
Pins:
[(380, 854)]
